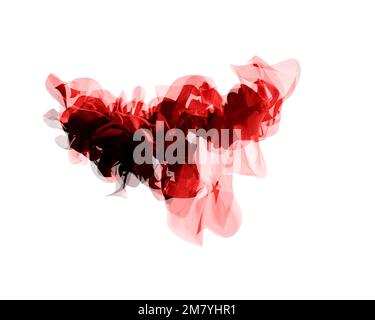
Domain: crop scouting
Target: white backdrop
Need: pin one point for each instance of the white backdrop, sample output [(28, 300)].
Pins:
[(308, 227)]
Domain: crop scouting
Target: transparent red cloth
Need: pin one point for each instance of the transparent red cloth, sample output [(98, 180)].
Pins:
[(100, 127)]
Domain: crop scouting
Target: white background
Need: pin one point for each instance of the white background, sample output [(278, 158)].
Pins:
[(308, 228)]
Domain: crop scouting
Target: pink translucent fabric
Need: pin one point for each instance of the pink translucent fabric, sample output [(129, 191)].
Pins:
[(99, 127)]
